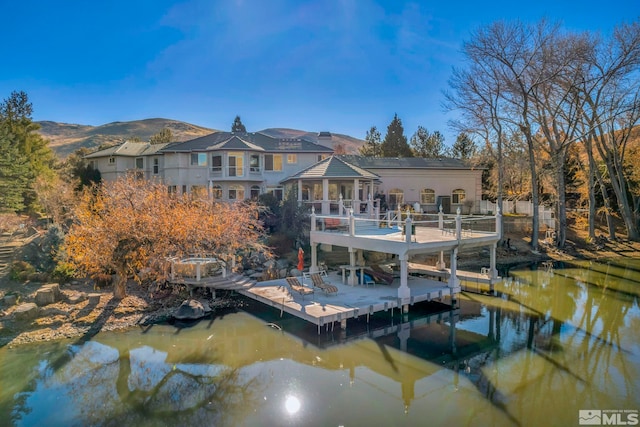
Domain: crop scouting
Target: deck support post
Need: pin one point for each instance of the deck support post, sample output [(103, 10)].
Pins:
[(352, 262), (314, 258), (343, 324), (404, 293), (454, 282), (440, 265)]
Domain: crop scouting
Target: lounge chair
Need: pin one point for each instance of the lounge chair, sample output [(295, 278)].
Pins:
[(319, 283), (295, 285)]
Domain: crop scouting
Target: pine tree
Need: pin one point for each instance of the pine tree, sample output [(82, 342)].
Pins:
[(237, 126), (426, 144), (14, 173), (21, 132), (162, 137), (395, 142), (372, 146), (464, 147)]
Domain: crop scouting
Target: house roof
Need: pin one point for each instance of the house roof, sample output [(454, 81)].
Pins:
[(333, 167), (246, 141), (405, 162), (129, 149)]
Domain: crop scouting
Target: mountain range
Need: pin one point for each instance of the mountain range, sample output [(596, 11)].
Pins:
[(65, 138)]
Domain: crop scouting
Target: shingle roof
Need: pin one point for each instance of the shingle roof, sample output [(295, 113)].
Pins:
[(333, 167), (404, 162), (246, 141), (129, 149)]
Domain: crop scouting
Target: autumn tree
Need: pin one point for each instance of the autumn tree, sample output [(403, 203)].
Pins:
[(372, 145), (237, 126), (129, 228), (163, 137), (395, 142)]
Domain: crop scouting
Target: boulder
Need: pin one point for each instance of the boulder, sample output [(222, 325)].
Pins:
[(94, 299), (77, 298), (26, 311), (45, 296), (10, 300), (192, 309)]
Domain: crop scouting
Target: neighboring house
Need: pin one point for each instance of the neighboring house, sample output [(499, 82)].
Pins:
[(235, 166)]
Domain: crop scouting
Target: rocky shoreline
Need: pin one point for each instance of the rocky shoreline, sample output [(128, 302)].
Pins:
[(80, 311)]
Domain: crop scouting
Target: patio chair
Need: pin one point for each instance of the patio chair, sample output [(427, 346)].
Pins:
[(319, 283), (295, 285)]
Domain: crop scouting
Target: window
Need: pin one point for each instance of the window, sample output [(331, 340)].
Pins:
[(255, 191), (396, 198), (458, 196), (273, 162), (427, 196), (322, 157), (236, 192), (216, 163), (254, 163), (172, 189), (156, 166), (198, 159), (92, 164), (236, 164), (184, 189), (139, 163), (112, 160), (216, 192), (292, 158)]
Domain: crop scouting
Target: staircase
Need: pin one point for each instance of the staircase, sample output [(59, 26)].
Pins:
[(6, 256), (231, 282)]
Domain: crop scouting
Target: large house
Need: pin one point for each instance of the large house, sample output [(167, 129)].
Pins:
[(235, 166)]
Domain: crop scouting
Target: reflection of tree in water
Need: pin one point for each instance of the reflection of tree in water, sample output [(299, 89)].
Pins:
[(99, 386)]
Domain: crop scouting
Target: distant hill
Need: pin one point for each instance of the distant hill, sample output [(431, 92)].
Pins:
[(66, 138)]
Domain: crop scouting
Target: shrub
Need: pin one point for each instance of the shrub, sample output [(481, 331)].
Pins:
[(21, 270)]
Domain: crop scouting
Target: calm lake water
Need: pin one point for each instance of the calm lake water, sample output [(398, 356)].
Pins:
[(551, 344)]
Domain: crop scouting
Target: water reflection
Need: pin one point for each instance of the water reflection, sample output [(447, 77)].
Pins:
[(552, 342)]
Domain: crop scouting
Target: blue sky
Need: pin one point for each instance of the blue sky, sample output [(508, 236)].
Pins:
[(337, 65)]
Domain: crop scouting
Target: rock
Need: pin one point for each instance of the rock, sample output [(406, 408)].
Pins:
[(192, 309), (77, 298), (45, 296), (282, 273), (52, 311), (295, 272), (55, 287), (94, 299), (10, 300), (27, 311)]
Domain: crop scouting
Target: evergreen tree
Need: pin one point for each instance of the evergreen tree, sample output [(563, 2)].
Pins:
[(237, 126), (395, 142), (14, 173), (372, 146), (426, 144), (162, 137), (21, 133), (464, 147)]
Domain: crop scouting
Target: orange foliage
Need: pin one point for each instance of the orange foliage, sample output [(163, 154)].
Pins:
[(131, 227)]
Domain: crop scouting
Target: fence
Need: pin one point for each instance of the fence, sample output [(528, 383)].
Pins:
[(545, 214)]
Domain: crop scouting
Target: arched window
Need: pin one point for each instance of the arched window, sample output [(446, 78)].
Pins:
[(427, 196), (458, 196), (216, 192), (255, 191), (236, 192), (396, 198)]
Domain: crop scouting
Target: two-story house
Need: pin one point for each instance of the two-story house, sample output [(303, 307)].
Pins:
[(236, 166)]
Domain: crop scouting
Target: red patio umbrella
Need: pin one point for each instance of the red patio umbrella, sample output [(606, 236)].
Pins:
[(300, 259)]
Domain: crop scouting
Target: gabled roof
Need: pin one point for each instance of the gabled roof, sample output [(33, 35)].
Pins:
[(128, 149), (333, 167), (405, 162), (246, 141)]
